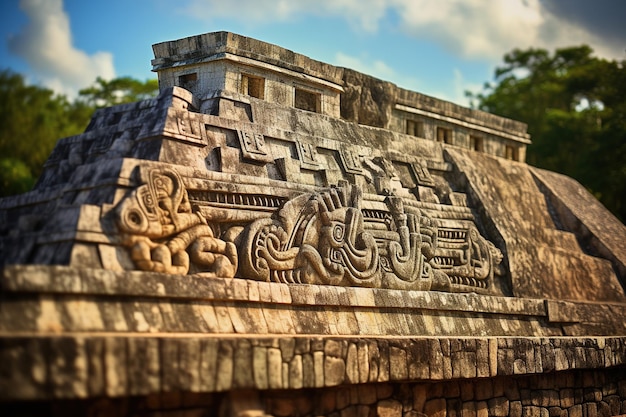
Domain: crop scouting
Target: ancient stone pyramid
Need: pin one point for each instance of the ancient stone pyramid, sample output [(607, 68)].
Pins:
[(276, 235)]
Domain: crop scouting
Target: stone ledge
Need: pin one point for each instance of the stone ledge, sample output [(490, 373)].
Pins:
[(43, 279), (53, 299), (86, 366)]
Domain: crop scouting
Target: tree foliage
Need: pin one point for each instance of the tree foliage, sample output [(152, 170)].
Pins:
[(117, 91), (33, 118), (574, 106)]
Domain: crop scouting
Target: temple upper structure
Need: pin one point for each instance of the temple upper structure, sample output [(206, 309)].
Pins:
[(224, 65)]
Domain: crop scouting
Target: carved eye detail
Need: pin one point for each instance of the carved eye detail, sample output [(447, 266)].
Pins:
[(135, 221), (338, 232), (134, 218)]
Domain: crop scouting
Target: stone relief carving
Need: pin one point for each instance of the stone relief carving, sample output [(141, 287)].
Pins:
[(322, 238), (467, 258), (164, 234), (316, 239), (326, 238)]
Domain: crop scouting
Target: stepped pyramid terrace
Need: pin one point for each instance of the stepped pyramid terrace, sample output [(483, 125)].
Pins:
[(277, 236)]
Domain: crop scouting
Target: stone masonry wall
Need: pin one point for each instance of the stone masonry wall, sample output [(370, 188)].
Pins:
[(582, 393), (102, 365)]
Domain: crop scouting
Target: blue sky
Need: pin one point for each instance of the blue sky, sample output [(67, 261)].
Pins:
[(436, 47)]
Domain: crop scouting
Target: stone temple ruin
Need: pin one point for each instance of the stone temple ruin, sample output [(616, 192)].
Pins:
[(276, 236)]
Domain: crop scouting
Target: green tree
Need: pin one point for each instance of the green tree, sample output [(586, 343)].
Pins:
[(576, 115), (33, 118), (117, 91)]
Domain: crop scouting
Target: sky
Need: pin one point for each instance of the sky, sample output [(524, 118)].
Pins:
[(440, 48)]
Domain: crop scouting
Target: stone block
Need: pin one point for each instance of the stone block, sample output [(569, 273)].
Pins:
[(363, 361), (557, 412), (614, 404), (94, 349), (483, 389), (515, 409), (24, 373), (592, 395), (343, 398), (481, 409), (590, 409), (284, 369), (144, 376), (398, 369), (384, 391), (327, 403), (389, 408), (334, 371), (115, 365), (287, 348), (483, 368), (208, 364), (352, 364), (260, 367), (274, 368), (333, 348), (418, 356), (506, 360), (467, 389), (308, 371), (384, 361), (435, 407), (296, 380), (435, 359), (318, 368), (225, 363), (575, 411), (468, 409), (603, 409), (498, 407), (367, 394), (464, 364), (243, 371), (303, 345)]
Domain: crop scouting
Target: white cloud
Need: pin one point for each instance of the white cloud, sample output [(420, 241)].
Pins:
[(361, 14), (46, 44), (376, 68), (379, 69), (475, 29), (487, 30)]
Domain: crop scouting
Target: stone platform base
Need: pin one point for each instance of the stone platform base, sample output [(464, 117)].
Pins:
[(573, 393)]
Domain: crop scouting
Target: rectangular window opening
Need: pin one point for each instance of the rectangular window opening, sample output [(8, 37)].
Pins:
[(444, 135), (511, 152), (253, 86), (188, 80), (415, 128), (476, 143), (307, 100)]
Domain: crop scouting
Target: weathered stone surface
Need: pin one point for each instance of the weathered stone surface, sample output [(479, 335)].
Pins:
[(242, 243), (389, 408)]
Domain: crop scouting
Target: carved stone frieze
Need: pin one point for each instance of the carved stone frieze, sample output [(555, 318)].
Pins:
[(467, 258), (326, 237), (315, 239), (164, 234)]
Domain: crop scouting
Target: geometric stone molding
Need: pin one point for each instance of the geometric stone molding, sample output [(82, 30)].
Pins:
[(96, 300)]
